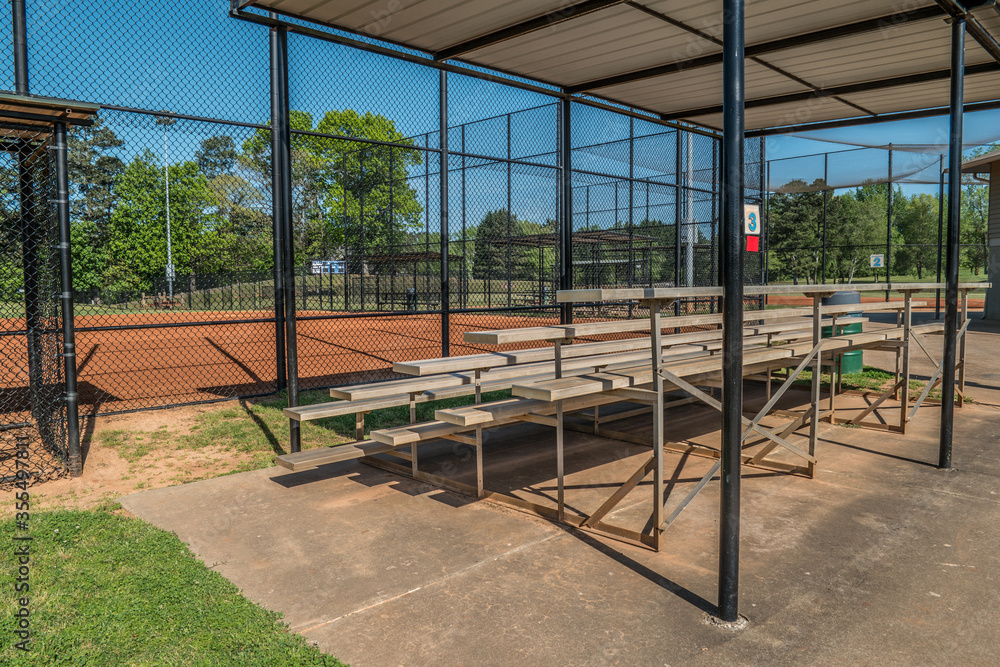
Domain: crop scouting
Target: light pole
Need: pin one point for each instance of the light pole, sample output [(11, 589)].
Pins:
[(166, 122)]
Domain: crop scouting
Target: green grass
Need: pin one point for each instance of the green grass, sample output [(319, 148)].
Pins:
[(261, 429), (108, 590)]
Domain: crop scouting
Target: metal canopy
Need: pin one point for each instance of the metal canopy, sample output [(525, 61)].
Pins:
[(805, 61), (30, 117)]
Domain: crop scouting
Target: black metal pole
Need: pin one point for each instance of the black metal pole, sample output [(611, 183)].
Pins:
[(66, 285), (951, 261), (678, 159), (937, 297), (445, 278), (733, 99), (20, 47), (826, 176), (283, 160), (278, 232), (888, 229), (566, 208)]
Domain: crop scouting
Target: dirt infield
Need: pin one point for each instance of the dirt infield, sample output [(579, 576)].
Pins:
[(170, 363)]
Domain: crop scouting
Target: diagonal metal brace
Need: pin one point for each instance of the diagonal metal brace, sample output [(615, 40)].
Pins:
[(705, 398)]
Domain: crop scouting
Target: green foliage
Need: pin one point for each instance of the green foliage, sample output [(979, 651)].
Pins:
[(917, 222), (345, 192), (494, 257), (110, 590), (137, 235), (975, 223), (795, 219)]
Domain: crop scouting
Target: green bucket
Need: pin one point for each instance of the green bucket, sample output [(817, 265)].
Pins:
[(850, 362)]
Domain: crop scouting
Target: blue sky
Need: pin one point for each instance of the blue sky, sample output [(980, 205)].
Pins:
[(192, 58)]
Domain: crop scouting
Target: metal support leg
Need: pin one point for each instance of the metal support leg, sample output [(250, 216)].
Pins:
[(816, 381), (560, 460), (905, 352), (656, 344), (963, 319)]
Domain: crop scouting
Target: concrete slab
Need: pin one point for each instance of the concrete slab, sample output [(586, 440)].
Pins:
[(882, 559)]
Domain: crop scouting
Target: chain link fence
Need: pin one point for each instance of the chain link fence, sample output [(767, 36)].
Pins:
[(173, 239), (33, 445)]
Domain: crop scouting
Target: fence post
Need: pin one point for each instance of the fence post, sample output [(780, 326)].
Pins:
[(566, 209), (66, 284), (282, 159), (278, 231), (445, 278)]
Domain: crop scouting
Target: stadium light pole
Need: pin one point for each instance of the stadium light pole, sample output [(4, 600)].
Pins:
[(166, 122)]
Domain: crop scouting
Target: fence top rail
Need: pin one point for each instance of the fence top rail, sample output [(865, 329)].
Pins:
[(674, 293)]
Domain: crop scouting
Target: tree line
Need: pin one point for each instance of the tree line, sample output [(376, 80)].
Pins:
[(854, 227)]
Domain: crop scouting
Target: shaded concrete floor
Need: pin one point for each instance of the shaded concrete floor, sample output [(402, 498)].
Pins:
[(880, 559)]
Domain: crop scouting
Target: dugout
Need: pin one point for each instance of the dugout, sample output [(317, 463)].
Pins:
[(39, 422)]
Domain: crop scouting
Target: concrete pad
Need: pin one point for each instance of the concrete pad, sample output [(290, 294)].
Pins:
[(881, 559)]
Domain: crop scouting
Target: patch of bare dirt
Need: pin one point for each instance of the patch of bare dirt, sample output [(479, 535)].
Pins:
[(111, 471)]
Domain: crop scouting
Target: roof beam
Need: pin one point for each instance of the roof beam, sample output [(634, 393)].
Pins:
[(531, 25), (850, 29), (972, 107), (848, 89), (972, 25)]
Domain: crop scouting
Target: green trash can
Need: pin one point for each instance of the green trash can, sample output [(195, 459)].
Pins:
[(853, 361)]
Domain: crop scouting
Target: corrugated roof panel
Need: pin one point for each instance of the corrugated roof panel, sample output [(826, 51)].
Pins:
[(978, 88), (774, 19), (913, 49), (700, 87), (813, 111), (623, 39), (601, 44)]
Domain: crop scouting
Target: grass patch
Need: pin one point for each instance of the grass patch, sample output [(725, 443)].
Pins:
[(260, 429), (110, 590), (130, 445)]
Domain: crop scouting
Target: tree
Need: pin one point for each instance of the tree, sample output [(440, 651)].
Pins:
[(217, 156), (93, 176), (494, 258), (975, 215), (349, 197), (795, 218), (137, 245), (917, 223)]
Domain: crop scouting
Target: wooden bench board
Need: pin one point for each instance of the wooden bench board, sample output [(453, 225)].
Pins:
[(561, 389), (559, 332), (312, 458)]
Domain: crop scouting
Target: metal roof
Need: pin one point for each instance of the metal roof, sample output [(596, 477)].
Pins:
[(807, 61)]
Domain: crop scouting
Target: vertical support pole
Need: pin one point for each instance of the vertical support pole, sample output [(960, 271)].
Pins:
[(733, 99), (631, 205), (907, 334), (964, 316), (817, 381), (66, 284), (826, 192), (283, 163), (656, 346), (678, 214), (937, 298), (510, 223), (278, 230), (952, 252), (888, 229), (445, 275), (20, 47), (566, 206), (762, 304)]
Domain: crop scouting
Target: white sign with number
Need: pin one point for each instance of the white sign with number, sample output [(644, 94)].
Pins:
[(751, 219), (877, 261)]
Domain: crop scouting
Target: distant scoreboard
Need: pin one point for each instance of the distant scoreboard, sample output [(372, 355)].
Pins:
[(326, 266)]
